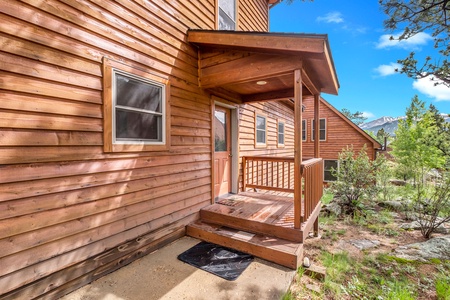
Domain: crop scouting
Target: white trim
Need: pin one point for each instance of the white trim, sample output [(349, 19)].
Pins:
[(116, 72), (305, 129), (312, 132)]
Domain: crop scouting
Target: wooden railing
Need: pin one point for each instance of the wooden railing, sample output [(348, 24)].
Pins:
[(312, 177), (277, 174), (269, 173)]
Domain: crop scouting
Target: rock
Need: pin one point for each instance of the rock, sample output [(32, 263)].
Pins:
[(392, 204), (438, 248), (306, 262), (313, 287), (332, 208), (397, 182), (364, 244), (415, 225)]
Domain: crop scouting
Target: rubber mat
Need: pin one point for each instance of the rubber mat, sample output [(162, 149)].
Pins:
[(223, 262)]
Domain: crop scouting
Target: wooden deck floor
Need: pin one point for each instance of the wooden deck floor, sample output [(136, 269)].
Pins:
[(259, 207), (258, 223)]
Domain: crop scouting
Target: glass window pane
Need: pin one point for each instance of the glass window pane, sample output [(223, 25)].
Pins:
[(220, 139), (303, 130), (138, 94), (281, 139), (329, 165), (225, 23), (138, 126), (260, 123), (280, 133), (228, 7), (260, 137)]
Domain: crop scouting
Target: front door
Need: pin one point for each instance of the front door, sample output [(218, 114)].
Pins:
[(222, 151)]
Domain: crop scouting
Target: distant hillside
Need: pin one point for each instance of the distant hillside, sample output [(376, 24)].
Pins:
[(389, 124)]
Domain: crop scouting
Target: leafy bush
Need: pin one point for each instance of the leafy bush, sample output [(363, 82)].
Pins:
[(355, 179), (433, 211)]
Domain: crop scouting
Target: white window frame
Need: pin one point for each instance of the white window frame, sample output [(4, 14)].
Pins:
[(113, 68), (324, 129), (304, 130), (282, 133), (257, 143), (233, 18)]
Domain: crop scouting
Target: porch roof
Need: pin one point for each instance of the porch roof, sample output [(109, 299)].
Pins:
[(231, 63)]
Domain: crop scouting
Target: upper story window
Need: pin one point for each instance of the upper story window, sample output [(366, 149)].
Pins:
[(303, 130), (322, 132), (261, 130), (227, 14), (281, 133), (135, 109)]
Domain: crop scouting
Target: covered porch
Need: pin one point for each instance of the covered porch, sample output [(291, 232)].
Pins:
[(260, 220), (277, 200)]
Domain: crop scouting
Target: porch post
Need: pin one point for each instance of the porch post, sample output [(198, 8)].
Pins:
[(297, 148), (316, 125)]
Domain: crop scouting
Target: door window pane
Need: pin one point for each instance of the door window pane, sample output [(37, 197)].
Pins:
[(220, 139)]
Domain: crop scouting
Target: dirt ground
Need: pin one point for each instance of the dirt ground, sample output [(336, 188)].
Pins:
[(335, 238)]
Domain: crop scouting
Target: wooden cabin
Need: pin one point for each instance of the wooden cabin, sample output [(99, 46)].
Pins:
[(336, 133), (113, 117)]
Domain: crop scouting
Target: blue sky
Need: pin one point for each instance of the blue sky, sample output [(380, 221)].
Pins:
[(364, 57)]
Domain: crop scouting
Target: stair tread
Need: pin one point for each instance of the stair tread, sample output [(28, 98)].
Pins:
[(277, 250), (267, 241)]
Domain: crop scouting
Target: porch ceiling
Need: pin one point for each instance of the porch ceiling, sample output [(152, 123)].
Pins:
[(231, 63)]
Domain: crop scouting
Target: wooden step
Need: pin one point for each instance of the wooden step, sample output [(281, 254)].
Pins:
[(277, 250), (239, 218)]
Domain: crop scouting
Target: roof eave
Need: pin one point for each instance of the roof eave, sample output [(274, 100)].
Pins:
[(313, 48)]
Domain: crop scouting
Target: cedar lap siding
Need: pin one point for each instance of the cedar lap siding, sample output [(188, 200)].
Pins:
[(340, 133), (73, 208)]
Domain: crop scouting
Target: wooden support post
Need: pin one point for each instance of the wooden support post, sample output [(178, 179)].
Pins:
[(317, 126), (316, 227), (297, 148), (244, 174)]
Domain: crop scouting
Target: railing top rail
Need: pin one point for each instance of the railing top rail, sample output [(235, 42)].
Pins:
[(310, 162), (269, 158)]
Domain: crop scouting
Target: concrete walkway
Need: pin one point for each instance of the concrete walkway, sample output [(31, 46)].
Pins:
[(160, 275)]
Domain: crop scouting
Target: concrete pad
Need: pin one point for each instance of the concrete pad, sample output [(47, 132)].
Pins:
[(160, 275)]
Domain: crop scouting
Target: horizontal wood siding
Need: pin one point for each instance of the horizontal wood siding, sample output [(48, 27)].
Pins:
[(69, 212), (274, 112), (339, 134), (253, 15)]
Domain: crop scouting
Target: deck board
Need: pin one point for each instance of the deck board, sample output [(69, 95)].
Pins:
[(260, 223), (259, 207)]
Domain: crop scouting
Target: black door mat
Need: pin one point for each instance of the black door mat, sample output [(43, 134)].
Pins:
[(223, 262)]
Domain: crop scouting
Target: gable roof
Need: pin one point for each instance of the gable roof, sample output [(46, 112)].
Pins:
[(376, 144), (234, 61)]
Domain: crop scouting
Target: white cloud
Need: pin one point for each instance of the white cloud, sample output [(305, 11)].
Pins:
[(368, 114), (332, 17), (412, 43), (386, 70), (427, 86)]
